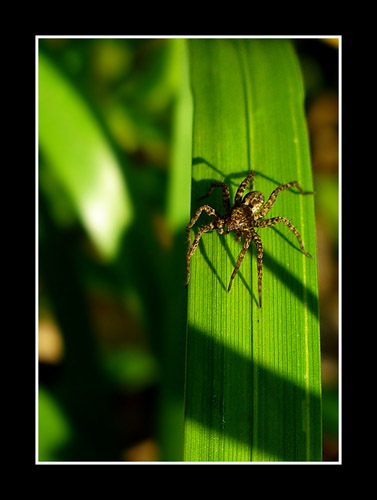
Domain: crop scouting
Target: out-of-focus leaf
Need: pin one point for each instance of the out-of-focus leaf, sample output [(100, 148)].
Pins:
[(179, 192), (82, 159), (54, 427), (131, 368)]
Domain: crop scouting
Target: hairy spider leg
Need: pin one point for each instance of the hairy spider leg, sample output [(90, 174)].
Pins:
[(240, 257), (204, 208), (225, 190), (258, 244), (290, 226), (241, 188), (271, 200), (195, 243), (251, 236)]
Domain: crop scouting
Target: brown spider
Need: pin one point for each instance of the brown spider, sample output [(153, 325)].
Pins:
[(242, 218)]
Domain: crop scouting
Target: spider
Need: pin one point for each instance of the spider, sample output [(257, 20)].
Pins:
[(243, 218)]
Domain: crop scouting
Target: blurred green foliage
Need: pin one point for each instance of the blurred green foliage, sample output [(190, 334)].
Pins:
[(81, 160), (54, 428), (107, 250), (320, 65)]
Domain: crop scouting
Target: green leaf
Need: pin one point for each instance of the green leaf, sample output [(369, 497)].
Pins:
[(82, 159), (178, 196), (54, 428), (253, 389)]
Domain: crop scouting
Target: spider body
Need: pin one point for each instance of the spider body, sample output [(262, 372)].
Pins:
[(243, 218)]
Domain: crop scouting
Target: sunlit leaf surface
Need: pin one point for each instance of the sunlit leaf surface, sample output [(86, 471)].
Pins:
[(253, 389)]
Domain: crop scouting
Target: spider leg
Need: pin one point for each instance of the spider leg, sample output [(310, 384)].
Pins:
[(240, 258), (290, 226), (258, 244), (195, 243), (241, 189), (271, 200), (225, 190), (204, 208)]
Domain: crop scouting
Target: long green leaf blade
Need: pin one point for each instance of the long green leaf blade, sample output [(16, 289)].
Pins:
[(253, 389)]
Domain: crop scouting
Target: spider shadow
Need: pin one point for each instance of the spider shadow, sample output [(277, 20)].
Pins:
[(296, 286), (233, 260), (285, 238), (230, 179), (226, 247), (210, 265), (200, 187)]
